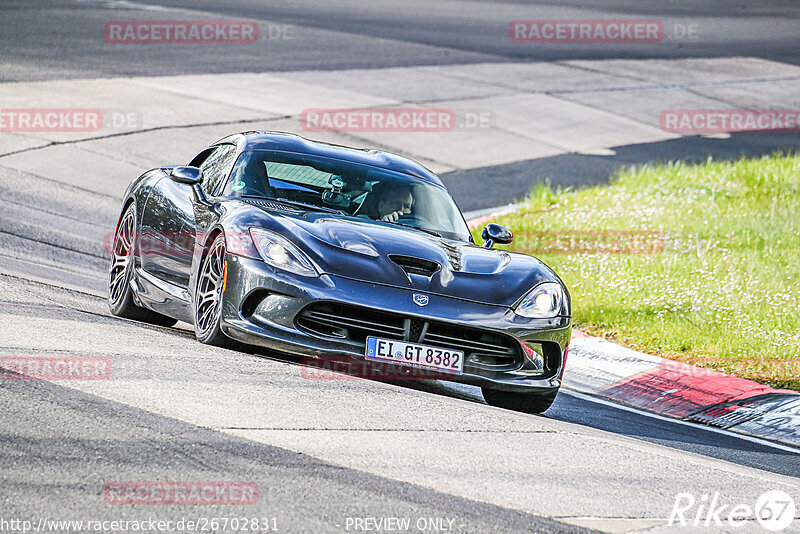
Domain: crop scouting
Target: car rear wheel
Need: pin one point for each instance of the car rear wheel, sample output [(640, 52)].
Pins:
[(520, 402), (120, 294), (208, 297)]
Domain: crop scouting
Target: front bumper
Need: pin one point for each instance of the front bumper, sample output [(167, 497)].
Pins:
[(260, 306)]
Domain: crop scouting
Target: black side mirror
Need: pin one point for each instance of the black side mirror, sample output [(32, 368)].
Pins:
[(186, 175), (496, 233), (194, 177)]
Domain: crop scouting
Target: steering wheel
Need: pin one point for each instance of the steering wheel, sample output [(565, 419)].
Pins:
[(415, 219)]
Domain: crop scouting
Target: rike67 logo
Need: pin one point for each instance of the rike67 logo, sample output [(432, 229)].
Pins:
[(774, 511)]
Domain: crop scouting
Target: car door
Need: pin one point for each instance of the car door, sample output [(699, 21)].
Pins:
[(169, 219)]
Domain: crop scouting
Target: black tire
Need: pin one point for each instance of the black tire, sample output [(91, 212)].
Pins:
[(207, 304), (519, 402), (120, 294)]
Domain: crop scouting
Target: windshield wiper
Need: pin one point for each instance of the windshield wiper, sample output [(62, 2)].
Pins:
[(313, 207), (426, 230)]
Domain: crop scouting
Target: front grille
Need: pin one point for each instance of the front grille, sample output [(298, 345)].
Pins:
[(482, 348), (349, 322), (416, 329)]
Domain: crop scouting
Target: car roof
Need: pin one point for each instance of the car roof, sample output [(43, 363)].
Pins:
[(288, 142)]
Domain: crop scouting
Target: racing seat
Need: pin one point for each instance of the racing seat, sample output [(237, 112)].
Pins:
[(369, 207), (256, 180)]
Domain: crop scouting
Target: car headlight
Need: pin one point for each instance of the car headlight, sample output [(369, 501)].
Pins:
[(544, 300), (281, 253)]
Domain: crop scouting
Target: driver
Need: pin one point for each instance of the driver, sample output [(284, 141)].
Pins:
[(392, 202), (395, 204)]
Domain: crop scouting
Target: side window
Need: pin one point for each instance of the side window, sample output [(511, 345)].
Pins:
[(217, 166), (201, 157)]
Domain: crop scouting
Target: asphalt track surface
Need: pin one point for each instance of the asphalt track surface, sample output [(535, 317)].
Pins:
[(62, 442), (51, 39)]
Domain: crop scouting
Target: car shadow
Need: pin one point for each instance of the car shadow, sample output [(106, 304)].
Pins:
[(577, 410)]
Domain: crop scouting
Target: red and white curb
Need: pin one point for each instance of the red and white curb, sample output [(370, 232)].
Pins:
[(673, 389), (682, 391)]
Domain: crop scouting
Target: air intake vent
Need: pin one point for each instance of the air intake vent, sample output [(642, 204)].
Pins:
[(272, 205), (413, 265)]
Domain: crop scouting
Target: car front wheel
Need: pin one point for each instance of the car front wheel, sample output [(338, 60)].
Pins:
[(520, 402), (208, 296)]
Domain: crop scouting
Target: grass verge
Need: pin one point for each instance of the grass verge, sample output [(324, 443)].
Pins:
[(696, 263)]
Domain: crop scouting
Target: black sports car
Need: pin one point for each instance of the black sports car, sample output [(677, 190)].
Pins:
[(324, 251)]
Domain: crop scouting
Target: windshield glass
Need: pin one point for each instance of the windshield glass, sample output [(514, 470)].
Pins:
[(350, 188)]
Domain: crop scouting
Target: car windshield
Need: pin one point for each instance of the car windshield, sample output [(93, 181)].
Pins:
[(350, 188)]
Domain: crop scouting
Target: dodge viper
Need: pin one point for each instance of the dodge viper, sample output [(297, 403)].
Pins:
[(324, 251)]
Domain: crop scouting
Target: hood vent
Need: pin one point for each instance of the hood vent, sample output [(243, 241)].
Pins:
[(271, 205), (413, 265)]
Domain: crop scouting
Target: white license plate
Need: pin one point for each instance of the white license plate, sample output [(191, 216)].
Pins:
[(415, 355)]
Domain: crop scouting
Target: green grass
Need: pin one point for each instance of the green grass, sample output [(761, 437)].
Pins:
[(724, 290)]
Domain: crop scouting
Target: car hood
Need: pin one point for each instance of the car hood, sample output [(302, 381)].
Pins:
[(388, 254)]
